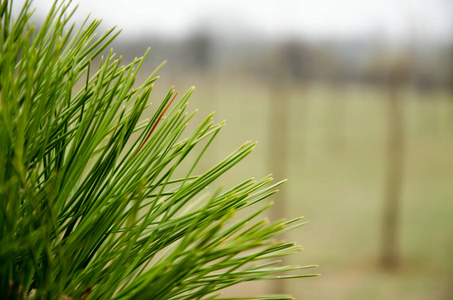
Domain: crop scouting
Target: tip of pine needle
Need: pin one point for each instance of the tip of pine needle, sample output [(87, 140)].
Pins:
[(252, 145)]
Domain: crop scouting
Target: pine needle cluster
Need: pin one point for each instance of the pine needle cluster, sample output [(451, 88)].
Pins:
[(92, 203)]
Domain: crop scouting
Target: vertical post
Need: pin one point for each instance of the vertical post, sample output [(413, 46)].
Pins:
[(390, 255), (278, 136), (279, 99)]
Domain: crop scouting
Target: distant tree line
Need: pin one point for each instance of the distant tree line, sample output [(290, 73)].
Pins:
[(341, 60)]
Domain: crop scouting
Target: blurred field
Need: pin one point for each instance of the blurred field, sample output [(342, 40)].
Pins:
[(336, 154), (336, 170)]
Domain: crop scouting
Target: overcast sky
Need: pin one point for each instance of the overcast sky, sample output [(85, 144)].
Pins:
[(392, 19)]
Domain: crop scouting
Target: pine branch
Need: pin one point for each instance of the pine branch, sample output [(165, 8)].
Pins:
[(91, 203)]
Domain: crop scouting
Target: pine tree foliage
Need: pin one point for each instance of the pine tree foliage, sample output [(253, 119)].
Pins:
[(92, 203)]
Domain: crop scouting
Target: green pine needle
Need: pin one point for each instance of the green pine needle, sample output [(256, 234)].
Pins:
[(93, 203)]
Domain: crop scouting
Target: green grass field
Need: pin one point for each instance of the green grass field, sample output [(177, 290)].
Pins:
[(336, 168)]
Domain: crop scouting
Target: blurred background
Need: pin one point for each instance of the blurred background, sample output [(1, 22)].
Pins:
[(351, 100)]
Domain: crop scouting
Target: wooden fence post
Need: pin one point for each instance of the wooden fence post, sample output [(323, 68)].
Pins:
[(390, 253)]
